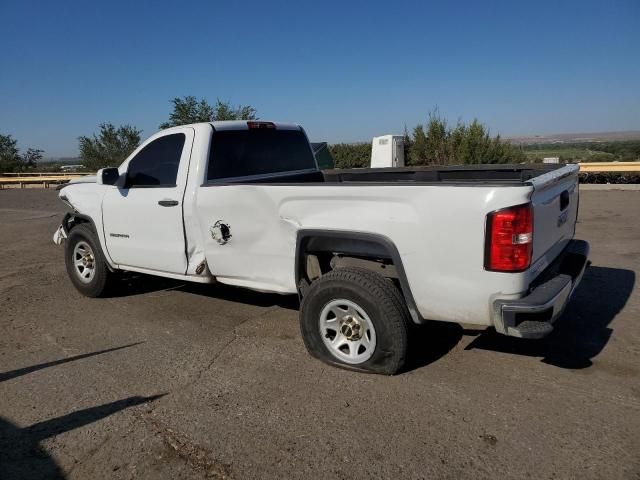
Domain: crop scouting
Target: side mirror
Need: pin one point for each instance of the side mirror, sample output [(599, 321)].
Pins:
[(107, 176)]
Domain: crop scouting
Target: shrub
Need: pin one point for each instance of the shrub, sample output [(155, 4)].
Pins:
[(438, 144), (351, 155)]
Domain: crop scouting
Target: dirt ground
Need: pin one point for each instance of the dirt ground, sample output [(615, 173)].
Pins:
[(166, 380)]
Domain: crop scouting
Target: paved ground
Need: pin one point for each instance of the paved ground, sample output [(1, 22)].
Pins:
[(176, 381)]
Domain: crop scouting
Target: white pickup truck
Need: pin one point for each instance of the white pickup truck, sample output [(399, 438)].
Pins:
[(369, 252)]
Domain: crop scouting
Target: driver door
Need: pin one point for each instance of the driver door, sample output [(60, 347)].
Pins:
[(142, 215)]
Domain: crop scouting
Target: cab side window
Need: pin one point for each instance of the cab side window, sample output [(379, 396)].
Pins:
[(156, 165)]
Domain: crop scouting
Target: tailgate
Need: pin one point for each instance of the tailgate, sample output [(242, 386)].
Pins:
[(555, 210)]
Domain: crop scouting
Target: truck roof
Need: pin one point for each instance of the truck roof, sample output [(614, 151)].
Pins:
[(242, 125)]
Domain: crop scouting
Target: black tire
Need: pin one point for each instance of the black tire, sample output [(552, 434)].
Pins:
[(98, 285), (382, 303)]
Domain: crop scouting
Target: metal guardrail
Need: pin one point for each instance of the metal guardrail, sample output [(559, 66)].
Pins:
[(45, 179), (588, 167), (42, 174)]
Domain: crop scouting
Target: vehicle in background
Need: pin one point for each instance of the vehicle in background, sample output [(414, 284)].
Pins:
[(368, 251), (324, 159), (72, 168)]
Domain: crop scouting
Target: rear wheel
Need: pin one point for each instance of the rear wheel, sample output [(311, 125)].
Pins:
[(85, 262), (347, 331), (356, 319)]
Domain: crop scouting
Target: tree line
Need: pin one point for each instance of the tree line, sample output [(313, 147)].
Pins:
[(11, 160), (437, 143), (433, 143), (112, 145)]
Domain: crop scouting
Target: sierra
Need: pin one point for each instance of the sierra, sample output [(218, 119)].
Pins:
[(368, 251)]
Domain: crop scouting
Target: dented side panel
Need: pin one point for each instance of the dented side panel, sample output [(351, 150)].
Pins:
[(438, 231)]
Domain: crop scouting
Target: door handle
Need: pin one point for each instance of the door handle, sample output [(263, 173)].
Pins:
[(168, 203)]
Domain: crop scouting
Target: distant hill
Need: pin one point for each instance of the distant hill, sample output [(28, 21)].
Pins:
[(560, 138)]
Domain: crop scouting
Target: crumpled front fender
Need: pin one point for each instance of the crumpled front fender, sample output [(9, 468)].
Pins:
[(59, 236)]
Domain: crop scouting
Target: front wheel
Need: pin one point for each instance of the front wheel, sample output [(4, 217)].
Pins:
[(356, 319), (85, 262)]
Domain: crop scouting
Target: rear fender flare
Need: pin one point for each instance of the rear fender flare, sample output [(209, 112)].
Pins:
[(354, 243)]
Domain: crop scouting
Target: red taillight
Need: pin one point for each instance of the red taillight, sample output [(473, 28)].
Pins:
[(261, 125), (509, 239)]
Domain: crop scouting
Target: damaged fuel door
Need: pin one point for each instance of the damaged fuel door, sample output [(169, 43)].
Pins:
[(220, 232)]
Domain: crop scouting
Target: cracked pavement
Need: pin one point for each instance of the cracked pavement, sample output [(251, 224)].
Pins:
[(167, 380)]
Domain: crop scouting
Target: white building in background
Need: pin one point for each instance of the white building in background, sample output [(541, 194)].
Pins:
[(551, 160), (387, 151)]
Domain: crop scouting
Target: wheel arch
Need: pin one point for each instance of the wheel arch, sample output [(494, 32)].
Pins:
[(70, 220), (362, 244)]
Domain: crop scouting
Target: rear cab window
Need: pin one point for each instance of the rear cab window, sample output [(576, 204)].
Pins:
[(238, 154)]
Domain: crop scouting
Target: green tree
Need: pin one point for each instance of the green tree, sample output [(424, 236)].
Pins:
[(436, 139), (224, 111), (109, 147), (10, 159), (457, 148), (189, 109), (406, 142), (602, 157), (351, 155), (438, 144), (476, 142), (32, 157), (418, 148)]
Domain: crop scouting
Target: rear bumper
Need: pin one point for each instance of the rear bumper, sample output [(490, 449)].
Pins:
[(533, 315)]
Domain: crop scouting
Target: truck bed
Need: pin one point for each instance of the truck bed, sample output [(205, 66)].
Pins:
[(515, 175), (502, 174)]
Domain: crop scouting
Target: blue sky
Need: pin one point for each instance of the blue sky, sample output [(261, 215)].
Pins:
[(344, 70)]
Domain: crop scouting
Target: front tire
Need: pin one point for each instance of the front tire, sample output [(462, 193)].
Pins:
[(355, 319), (86, 266)]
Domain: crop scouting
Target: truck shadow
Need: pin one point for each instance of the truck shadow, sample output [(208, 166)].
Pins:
[(430, 342), (242, 295), (579, 335), (583, 330), (131, 284)]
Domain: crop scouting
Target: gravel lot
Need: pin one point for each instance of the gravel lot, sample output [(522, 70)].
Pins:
[(181, 381)]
